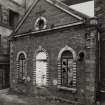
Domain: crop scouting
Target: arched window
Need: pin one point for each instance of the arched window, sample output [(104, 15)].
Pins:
[(67, 68), (41, 69), (21, 68), (40, 23)]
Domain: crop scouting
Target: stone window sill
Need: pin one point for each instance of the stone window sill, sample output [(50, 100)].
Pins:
[(73, 90)]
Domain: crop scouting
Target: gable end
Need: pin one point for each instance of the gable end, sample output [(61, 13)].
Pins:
[(58, 4)]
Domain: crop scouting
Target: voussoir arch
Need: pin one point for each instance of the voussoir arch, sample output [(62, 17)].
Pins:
[(23, 52), (65, 49)]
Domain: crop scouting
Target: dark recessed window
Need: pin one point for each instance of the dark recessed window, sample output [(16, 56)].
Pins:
[(41, 23), (67, 69), (81, 56), (13, 18)]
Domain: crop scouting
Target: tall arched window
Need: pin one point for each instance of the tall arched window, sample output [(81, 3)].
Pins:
[(21, 68), (67, 68), (41, 69)]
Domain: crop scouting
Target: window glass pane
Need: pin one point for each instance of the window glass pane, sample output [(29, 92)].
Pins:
[(70, 72), (67, 69), (64, 72)]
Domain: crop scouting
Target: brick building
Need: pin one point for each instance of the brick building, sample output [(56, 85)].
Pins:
[(100, 14), (10, 13), (53, 51)]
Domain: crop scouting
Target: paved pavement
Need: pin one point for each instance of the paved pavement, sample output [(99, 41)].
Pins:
[(16, 99)]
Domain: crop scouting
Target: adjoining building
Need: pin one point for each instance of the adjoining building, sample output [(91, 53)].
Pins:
[(100, 14), (53, 51), (10, 13)]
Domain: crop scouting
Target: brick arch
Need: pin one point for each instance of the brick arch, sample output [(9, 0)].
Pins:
[(64, 49), (20, 53), (40, 49)]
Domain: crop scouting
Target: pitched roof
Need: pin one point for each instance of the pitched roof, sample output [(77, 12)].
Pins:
[(59, 5)]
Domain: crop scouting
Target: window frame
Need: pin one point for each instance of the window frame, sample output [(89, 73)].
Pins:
[(24, 71), (37, 27), (67, 68), (60, 86)]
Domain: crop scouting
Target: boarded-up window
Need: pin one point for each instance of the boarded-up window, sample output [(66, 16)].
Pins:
[(41, 69)]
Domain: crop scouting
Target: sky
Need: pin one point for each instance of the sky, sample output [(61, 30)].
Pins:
[(86, 8)]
